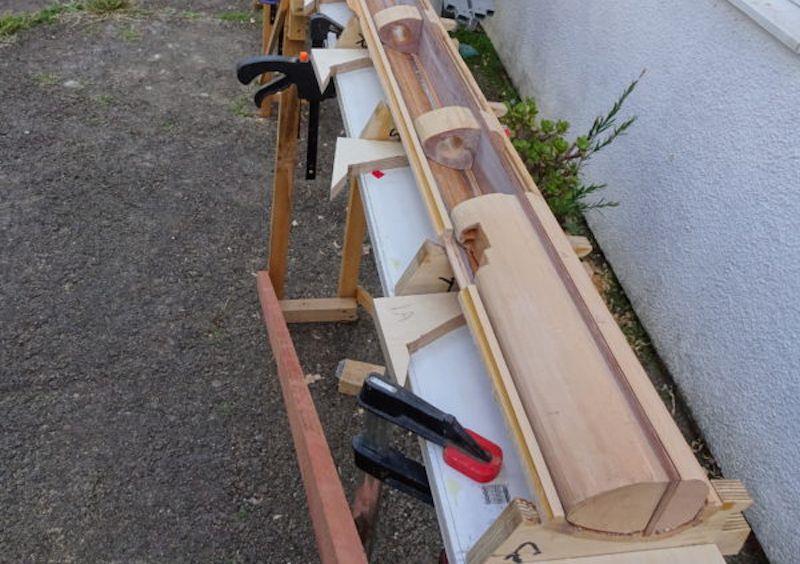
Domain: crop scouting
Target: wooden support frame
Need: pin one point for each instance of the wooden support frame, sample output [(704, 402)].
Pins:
[(334, 529), (407, 323)]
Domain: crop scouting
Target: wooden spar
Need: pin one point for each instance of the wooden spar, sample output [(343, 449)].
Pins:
[(618, 461)]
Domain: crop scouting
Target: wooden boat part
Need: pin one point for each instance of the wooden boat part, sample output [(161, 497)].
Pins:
[(600, 432), (399, 27), (449, 136)]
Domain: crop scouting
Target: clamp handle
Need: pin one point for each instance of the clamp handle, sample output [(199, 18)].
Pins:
[(399, 406), (252, 67)]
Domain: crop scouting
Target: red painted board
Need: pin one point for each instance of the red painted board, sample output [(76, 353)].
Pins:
[(334, 529)]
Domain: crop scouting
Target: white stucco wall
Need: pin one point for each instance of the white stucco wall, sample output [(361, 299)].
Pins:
[(706, 240)]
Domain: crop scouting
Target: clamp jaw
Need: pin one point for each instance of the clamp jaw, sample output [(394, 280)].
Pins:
[(293, 71), (464, 450)]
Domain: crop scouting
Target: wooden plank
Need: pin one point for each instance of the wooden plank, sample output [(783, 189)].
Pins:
[(283, 179), (406, 323), (428, 273), (329, 62), (647, 464), (358, 156), (319, 310), (352, 373), (265, 110), (334, 530), (354, 231)]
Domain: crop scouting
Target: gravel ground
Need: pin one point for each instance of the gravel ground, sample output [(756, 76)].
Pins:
[(140, 415)]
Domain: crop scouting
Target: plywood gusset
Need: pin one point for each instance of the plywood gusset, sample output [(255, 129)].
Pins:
[(602, 451)]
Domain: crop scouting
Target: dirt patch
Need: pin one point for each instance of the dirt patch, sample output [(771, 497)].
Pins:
[(142, 419)]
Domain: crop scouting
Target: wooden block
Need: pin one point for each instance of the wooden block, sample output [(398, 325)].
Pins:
[(328, 62), (580, 245), (317, 310), (351, 37), (499, 109), (733, 494), (449, 136), (407, 323), (449, 24), (380, 124), (352, 373), (399, 27), (429, 272), (357, 156), (734, 534)]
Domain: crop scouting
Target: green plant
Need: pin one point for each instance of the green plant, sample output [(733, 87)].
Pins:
[(14, 23), (130, 34), (238, 17), (241, 106), (556, 164), (106, 6)]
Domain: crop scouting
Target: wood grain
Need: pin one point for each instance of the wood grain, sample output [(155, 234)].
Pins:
[(618, 460)]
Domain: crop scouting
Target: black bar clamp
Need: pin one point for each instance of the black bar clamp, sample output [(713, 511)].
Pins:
[(297, 71), (464, 450)]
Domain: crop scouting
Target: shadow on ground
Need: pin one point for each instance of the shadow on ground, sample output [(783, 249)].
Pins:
[(141, 416)]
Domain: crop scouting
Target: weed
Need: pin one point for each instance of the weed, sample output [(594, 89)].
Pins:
[(169, 126), (106, 6), (130, 34), (487, 67), (556, 164), (225, 408), (104, 100), (11, 24), (189, 15), (238, 17), (241, 107), (46, 79)]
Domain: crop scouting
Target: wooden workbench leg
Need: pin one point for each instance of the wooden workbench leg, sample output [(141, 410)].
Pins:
[(266, 33), (285, 162), (282, 188), (365, 510), (354, 232)]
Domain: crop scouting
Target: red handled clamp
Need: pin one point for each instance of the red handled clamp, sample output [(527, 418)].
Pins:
[(464, 450)]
